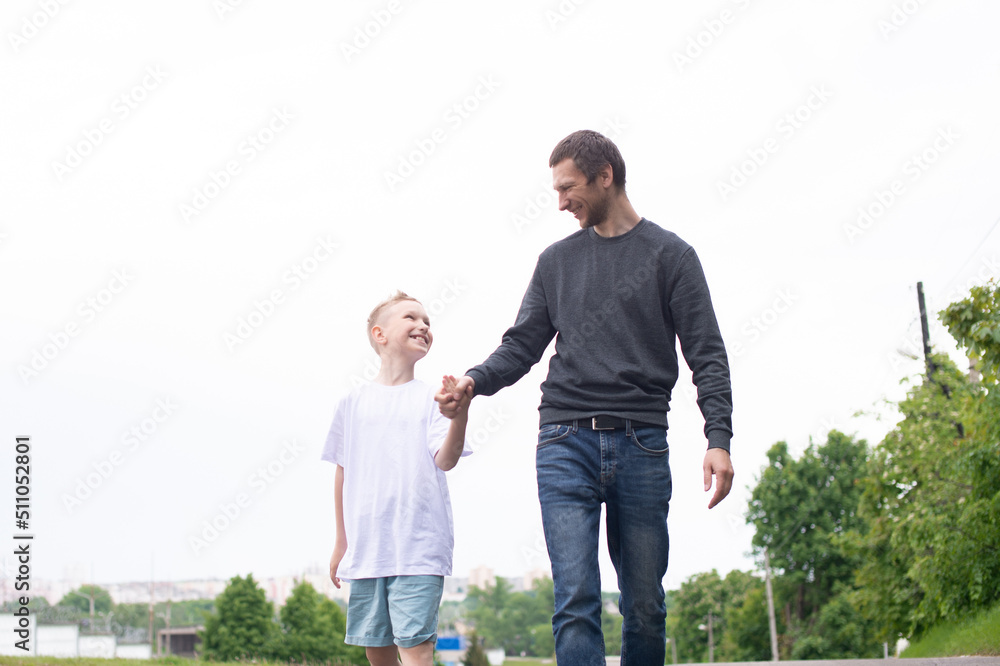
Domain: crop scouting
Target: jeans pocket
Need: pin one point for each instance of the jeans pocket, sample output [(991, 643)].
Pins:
[(548, 434), (651, 440)]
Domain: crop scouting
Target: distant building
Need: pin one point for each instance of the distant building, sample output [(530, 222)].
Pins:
[(482, 577), (180, 641)]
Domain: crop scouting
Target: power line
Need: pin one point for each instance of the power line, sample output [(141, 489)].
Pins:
[(973, 254)]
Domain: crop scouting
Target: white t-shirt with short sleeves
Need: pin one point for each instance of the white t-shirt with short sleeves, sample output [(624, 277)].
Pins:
[(397, 511)]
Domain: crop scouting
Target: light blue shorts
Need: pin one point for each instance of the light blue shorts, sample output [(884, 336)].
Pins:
[(396, 609)]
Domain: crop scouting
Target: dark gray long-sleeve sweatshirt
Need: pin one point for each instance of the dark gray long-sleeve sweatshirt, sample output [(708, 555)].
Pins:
[(616, 306)]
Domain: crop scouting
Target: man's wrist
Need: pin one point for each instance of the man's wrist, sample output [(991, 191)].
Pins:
[(718, 439)]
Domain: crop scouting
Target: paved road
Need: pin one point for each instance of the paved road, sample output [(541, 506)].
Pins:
[(932, 661)]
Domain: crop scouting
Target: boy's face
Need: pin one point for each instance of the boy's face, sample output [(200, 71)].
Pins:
[(404, 330)]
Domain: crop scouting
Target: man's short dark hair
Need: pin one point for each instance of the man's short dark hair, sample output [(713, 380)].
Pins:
[(590, 151)]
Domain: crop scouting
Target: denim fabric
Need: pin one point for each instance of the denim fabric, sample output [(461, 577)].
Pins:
[(393, 609), (628, 470)]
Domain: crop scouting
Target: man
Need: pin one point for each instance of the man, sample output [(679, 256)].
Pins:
[(616, 295)]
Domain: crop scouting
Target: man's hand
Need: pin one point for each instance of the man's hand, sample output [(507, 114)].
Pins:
[(455, 395), (718, 463)]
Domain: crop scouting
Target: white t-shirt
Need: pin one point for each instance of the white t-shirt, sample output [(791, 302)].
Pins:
[(397, 511)]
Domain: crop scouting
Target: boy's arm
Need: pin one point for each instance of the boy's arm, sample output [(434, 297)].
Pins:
[(341, 545), (447, 456), (454, 443)]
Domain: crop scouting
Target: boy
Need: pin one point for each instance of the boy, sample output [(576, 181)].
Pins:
[(392, 446)]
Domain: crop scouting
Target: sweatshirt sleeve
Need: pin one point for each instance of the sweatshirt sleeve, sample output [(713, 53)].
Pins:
[(522, 345), (703, 348)]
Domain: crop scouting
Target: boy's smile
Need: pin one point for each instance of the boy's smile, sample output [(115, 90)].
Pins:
[(406, 329)]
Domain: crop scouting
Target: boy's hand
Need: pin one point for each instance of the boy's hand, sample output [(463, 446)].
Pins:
[(338, 555), (455, 395)]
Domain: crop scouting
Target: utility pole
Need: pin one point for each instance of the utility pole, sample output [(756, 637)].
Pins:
[(151, 636), (711, 640), (925, 331), (770, 607)]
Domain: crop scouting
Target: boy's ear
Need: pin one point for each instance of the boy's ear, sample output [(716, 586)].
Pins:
[(378, 335)]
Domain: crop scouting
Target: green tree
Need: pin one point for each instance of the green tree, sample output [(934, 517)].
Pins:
[(699, 596), (748, 631), (932, 506), (80, 599), (975, 323), (506, 619), (242, 626), (474, 654), (840, 632), (313, 629), (799, 509)]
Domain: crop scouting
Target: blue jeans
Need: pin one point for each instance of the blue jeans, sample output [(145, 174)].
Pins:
[(628, 470)]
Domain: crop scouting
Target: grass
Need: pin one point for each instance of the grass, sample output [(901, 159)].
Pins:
[(977, 635)]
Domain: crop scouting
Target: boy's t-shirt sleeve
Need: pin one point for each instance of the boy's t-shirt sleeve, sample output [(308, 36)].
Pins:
[(333, 450)]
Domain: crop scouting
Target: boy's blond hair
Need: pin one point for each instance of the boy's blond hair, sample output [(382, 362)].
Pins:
[(379, 309)]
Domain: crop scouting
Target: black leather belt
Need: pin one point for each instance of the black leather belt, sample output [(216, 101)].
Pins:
[(605, 422)]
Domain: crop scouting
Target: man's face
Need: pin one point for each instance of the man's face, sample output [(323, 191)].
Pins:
[(589, 202)]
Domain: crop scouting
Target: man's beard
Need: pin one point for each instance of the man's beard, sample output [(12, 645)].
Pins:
[(598, 213)]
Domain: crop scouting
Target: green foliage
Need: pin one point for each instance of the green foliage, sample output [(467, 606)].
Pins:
[(978, 634), (932, 504), (312, 629), (611, 627), (242, 626), (698, 596), (840, 632), (799, 509), (79, 599), (474, 654), (747, 635), (975, 323), (505, 619)]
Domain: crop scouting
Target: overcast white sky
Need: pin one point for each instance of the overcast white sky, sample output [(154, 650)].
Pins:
[(202, 200)]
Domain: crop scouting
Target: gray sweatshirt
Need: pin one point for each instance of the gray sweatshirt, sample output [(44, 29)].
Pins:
[(616, 306)]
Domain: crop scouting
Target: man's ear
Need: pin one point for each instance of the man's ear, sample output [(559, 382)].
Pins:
[(606, 176)]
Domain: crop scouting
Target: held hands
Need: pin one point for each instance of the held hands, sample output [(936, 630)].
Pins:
[(718, 463), (454, 396)]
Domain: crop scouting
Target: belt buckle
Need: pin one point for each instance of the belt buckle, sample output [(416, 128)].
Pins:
[(593, 424)]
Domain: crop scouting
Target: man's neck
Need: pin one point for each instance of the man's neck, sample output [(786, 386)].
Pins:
[(621, 219)]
